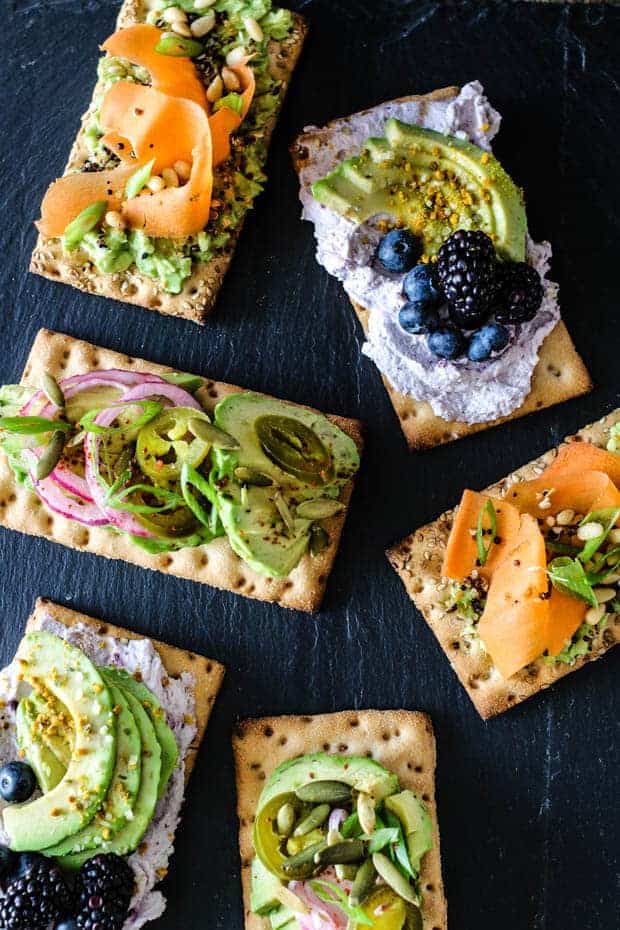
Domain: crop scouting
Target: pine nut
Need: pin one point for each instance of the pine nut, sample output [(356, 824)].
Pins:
[(595, 614), (114, 219), (613, 578), (231, 81), (545, 504), (565, 517), (550, 521), (204, 24), (183, 169), (614, 537), (174, 14), (156, 184), (236, 55), (604, 594), (215, 89), (589, 531), (253, 29), (203, 4), (182, 29), (171, 179)]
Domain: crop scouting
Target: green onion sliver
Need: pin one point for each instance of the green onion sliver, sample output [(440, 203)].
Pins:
[(32, 426), (179, 47), (139, 179), (483, 551), (189, 477), (150, 410), (170, 499), (83, 223)]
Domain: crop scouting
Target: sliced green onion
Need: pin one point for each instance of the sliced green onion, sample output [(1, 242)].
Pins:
[(170, 499), (139, 179), (608, 517), (483, 551), (232, 102), (150, 410), (32, 426), (83, 223), (189, 477), (190, 383), (179, 47)]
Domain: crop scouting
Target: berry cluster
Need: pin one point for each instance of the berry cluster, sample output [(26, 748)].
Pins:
[(480, 293), (35, 894)]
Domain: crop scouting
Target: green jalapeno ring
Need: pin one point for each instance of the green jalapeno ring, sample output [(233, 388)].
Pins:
[(294, 448), (166, 444)]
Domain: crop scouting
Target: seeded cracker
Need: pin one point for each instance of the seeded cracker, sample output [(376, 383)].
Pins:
[(559, 375), (200, 290), (401, 740), (418, 560), (214, 564)]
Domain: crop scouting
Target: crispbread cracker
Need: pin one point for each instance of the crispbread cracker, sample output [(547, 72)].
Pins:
[(401, 740), (215, 563), (418, 560), (207, 673), (559, 375), (200, 290)]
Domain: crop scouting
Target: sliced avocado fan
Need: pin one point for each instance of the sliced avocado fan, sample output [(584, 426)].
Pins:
[(48, 770), (433, 184), (54, 725)]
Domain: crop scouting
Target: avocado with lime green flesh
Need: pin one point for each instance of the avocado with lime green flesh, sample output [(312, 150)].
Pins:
[(48, 770), (157, 714), (128, 838), (416, 823), (54, 725), (117, 807), (48, 663), (256, 528), (433, 184)]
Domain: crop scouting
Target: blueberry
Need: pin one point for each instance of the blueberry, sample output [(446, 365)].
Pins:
[(491, 338), (447, 342), (399, 250), (417, 317), (17, 782), (420, 284)]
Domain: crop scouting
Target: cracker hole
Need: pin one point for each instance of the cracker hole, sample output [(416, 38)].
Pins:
[(343, 747), (268, 731), (212, 393), (430, 887), (455, 645), (12, 498), (385, 737), (283, 741), (325, 747), (66, 353), (354, 723), (204, 560), (426, 797), (418, 769)]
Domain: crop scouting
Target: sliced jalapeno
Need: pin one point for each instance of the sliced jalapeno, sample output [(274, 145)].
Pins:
[(389, 912), (166, 444), (295, 448)]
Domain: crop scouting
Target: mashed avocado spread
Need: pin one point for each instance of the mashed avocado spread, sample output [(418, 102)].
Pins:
[(236, 182)]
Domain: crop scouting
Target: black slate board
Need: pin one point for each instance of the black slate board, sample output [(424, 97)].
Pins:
[(526, 801)]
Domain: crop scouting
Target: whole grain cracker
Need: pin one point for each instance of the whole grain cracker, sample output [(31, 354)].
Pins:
[(207, 673), (200, 290), (214, 563), (401, 740), (559, 375), (418, 560)]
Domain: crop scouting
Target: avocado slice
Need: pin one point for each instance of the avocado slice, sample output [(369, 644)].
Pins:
[(416, 823), (433, 184), (54, 725), (117, 807), (253, 522), (128, 838), (43, 762), (264, 889), (50, 664), (165, 736)]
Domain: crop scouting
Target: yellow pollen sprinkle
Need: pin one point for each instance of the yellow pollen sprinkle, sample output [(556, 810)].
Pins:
[(485, 158)]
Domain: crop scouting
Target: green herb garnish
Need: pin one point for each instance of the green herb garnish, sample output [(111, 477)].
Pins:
[(608, 519), (150, 409), (569, 576), (380, 839), (32, 426), (139, 179), (483, 551), (170, 500), (398, 850), (331, 893), (351, 827)]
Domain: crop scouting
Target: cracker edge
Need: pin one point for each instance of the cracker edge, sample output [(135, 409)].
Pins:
[(493, 695), (201, 289), (304, 593), (208, 674), (422, 428), (253, 741)]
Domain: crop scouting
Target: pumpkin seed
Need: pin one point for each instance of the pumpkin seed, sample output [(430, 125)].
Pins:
[(363, 883), (51, 457), (366, 812), (190, 383), (344, 853), (285, 513), (316, 818), (52, 390), (319, 509), (319, 539), (303, 864), (324, 792), (77, 439), (395, 879), (345, 873), (206, 431), (285, 819), (249, 476)]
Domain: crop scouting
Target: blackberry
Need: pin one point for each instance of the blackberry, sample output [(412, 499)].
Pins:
[(466, 272), (104, 887), (520, 293), (36, 898)]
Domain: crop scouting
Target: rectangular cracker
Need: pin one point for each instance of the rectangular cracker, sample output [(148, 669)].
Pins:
[(201, 289), (208, 674), (401, 740), (215, 563), (418, 560), (559, 375)]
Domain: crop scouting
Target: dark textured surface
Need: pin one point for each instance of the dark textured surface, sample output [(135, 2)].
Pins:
[(526, 801)]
